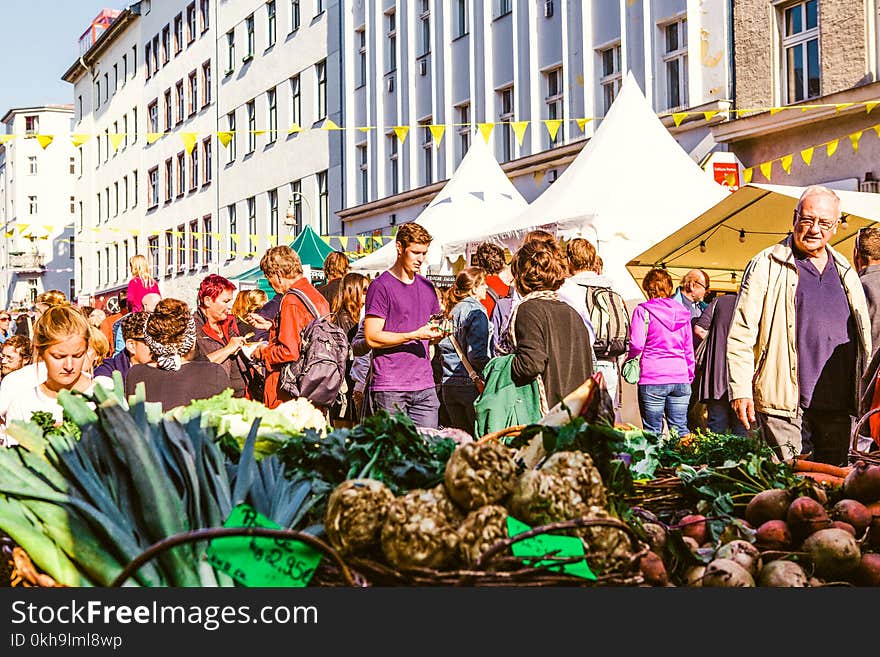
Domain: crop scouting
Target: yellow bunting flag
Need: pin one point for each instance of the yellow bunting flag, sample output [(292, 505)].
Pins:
[(258, 132), (831, 148), (877, 130), (582, 123), (135, 232), (871, 105), (552, 127), (842, 106), (153, 137), (329, 125), (273, 240), (775, 110), (539, 178), (116, 139), (10, 233), (785, 161), (23, 227), (519, 129), (437, 133), (747, 175), (366, 128), (362, 240), (766, 169), (678, 117), (807, 155), (294, 129), (48, 228), (189, 140), (45, 140), (5, 138), (224, 137), (79, 139), (401, 131), (326, 239), (710, 115), (854, 140), (486, 130), (234, 237)]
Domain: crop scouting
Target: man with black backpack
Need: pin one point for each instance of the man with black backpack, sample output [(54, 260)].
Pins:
[(499, 294)]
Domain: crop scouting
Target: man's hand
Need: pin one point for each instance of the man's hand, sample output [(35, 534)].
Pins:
[(745, 411), (429, 331)]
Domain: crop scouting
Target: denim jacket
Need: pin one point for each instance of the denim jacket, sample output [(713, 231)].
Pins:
[(470, 326)]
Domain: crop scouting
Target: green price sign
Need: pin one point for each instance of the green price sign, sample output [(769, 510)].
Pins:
[(549, 544), (260, 561)]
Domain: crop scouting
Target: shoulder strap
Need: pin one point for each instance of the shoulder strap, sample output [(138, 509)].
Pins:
[(305, 300), (464, 361), (492, 293)]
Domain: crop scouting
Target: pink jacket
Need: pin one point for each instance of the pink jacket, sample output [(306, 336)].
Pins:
[(668, 348)]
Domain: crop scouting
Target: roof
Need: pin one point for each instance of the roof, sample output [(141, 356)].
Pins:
[(36, 108), (116, 28)]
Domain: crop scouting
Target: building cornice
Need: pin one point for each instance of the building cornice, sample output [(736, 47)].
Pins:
[(117, 27), (37, 108)]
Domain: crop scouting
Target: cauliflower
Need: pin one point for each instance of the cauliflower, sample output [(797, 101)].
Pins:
[(355, 513), (541, 497), (420, 530), (480, 530), (478, 474), (577, 467)]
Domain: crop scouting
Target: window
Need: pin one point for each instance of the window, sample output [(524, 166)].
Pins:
[(463, 128), (204, 15), (611, 78), (270, 23), (181, 247), (124, 69), (153, 253), (207, 241), (73, 204), (166, 45), (71, 247), (321, 78), (193, 244), (252, 225), (252, 126), (168, 120), (134, 188), (156, 53), (425, 28), (115, 198), (79, 104), (134, 59), (154, 186), (319, 7), (296, 198), (363, 174), (206, 84), (427, 152), (153, 113), (125, 193), (32, 205), (230, 51), (124, 130), (106, 87), (178, 33), (134, 122), (107, 264), (193, 94), (148, 61), (675, 63), (295, 101), (169, 179), (272, 195), (323, 203), (505, 115), (206, 160), (361, 38), (179, 97), (249, 24), (294, 15), (460, 19), (115, 78), (390, 42), (32, 165), (181, 173), (504, 7), (99, 269), (191, 23), (194, 169), (98, 207), (116, 262), (72, 165), (127, 253), (554, 99), (230, 149), (232, 223), (393, 163), (800, 47)]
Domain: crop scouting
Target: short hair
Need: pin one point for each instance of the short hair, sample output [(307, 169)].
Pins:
[(581, 254), (212, 286), (696, 276), (657, 284), (281, 261), (57, 324), (598, 263), (167, 324), (412, 233), (21, 344), (490, 257), (51, 297), (816, 190), (335, 265), (535, 266), (540, 235), (868, 243), (134, 325)]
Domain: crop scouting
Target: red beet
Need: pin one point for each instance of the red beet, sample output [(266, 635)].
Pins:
[(868, 572), (806, 516), (854, 513), (845, 526), (653, 569), (863, 482), (696, 527), (768, 505), (773, 535)]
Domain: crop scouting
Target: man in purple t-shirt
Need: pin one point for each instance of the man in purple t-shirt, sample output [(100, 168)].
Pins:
[(398, 327)]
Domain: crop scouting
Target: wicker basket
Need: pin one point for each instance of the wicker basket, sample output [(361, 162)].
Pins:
[(663, 495), (872, 458)]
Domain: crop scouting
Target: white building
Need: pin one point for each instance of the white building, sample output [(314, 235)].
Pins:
[(431, 65), (36, 204)]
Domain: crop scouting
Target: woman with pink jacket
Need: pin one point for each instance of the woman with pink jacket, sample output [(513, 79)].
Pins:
[(661, 332)]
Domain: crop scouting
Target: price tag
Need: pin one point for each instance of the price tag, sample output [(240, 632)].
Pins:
[(544, 544), (260, 561)]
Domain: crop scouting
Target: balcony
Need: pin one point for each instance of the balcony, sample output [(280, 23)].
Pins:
[(22, 262)]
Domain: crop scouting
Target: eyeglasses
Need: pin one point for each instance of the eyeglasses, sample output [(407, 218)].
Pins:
[(4, 319), (808, 222)]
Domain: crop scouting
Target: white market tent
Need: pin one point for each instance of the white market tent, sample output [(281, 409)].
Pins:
[(479, 192), (630, 186)]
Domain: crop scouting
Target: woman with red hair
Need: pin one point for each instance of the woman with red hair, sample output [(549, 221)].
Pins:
[(217, 337)]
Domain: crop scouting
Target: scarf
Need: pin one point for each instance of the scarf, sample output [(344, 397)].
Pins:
[(168, 356)]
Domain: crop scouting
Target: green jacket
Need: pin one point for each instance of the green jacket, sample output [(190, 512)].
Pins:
[(504, 404)]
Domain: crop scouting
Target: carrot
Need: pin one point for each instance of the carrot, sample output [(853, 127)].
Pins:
[(822, 477), (801, 465)]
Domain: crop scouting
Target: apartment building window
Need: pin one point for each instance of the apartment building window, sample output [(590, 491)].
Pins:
[(273, 211), (249, 24), (323, 203), (178, 33), (611, 78), (191, 22), (393, 163), (79, 157), (179, 97), (32, 165), (232, 223), (166, 44), (206, 84), (168, 109), (230, 149), (181, 173), (154, 187), (460, 19), (363, 173), (100, 282), (207, 158), (98, 207), (800, 47), (554, 100), (321, 78), (296, 197), (205, 15), (106, 203), (124, 69), (134, 59), (295, 101), (294, 15), (169, 179), (153, 113), (106, 87), (271, 23), (153, 254), (124, 131), (272, 107), (148, 61), (319, 7), (230, 52), (134, 122), (134, 188), (169, 253), (675, 63), (115, 78), (505, 116), (252, 224), (156, 53), (390, 42), (207, 241), (106, 144), (72, 165), (32, 205), (427, 151), (107, 265), (181, 248), (425, 28), (361, 40), (194, 251), (463, 128), (194, 169), (73, 203), (115, 199), (116, 262), (504, 7), (125, 192), (252, 126), (127, 252), (193, 93)]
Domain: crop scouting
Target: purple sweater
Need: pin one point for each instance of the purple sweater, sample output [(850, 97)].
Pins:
[(668, 349)]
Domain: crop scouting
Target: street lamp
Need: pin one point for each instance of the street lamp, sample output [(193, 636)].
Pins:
[(291, 210)]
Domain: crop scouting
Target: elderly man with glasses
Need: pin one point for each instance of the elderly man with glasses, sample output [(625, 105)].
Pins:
[(7, 327), (801, 338)]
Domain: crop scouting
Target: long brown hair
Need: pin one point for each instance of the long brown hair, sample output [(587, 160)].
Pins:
[(465, 283), (353, 293)]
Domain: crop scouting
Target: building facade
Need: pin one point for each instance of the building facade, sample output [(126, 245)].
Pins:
[(36, 204)]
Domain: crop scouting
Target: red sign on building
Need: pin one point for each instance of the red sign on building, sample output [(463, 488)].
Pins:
[(726, 174)]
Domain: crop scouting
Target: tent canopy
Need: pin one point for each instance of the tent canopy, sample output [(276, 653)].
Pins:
[(747, 221), (479, 192), (631, 185)]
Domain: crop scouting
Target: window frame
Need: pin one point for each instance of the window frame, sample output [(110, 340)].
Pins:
[(679, 56), (799, 40)]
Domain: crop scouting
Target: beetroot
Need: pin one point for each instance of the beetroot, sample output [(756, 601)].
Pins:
[(854, 513), (806, 516), (768, 505), (695, 526), (773, 535), (845, 526), (863, 482), (834, 552), (653, 569), (874, 533), (868, 572)]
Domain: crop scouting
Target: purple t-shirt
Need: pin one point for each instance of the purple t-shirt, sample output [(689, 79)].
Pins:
[(404, 307)]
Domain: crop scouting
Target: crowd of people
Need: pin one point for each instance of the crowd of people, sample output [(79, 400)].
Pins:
[(512, 336)]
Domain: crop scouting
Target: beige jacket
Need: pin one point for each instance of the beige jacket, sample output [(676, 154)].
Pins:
[(762, 345)]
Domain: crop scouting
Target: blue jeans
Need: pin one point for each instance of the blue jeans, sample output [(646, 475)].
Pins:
[(669, 399), (721, 418), (422, 406)]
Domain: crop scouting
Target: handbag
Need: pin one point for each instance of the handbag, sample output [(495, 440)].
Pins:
[(632, 367), (478, 381)]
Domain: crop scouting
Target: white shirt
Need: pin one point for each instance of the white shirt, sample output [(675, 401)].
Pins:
[(576, 297), (27, 377)]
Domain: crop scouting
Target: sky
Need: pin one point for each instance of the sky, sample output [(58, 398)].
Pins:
[(39, 44)]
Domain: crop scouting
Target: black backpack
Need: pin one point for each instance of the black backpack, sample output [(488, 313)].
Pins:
[(610, 321), (319, 372), (500, 313)]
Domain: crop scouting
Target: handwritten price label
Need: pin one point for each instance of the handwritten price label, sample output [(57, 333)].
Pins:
[(258, 561)]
